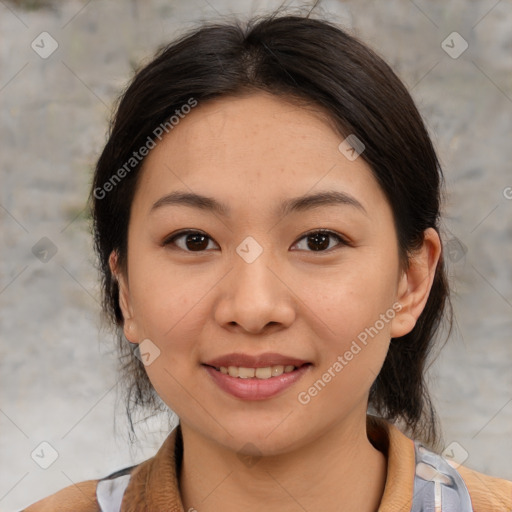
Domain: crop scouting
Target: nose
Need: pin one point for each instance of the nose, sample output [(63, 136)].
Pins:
[(255, 297)]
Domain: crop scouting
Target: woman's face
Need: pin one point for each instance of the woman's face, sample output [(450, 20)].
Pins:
[(250, 286)]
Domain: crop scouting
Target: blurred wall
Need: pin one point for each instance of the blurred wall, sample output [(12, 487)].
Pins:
[(61, 67)]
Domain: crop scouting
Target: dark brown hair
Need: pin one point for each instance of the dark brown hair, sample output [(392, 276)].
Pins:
[(299, 59)]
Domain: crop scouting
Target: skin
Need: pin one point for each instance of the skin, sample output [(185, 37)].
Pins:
[(252, 153)]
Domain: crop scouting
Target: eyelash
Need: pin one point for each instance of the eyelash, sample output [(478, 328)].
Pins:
[(341, 241)]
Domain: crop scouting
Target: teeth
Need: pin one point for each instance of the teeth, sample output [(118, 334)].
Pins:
[(244, 373), (260, 373)]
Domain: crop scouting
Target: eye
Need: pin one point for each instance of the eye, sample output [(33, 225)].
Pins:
[(318, 241), (194, 241), (197, 241)]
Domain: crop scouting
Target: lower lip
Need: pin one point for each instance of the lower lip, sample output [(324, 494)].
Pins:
[(253, 388)]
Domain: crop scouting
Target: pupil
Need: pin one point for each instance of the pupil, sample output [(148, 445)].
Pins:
[(318, 238), (197, 243), (316, 242)]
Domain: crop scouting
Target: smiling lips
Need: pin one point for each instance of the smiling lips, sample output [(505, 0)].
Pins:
[(259, 361), (255, 377), (266, 372)]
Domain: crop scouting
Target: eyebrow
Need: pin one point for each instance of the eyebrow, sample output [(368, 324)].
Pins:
[(295, 204)]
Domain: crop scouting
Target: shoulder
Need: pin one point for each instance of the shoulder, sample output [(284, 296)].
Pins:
[(435, 474), (487, 492), (107, 493), (456, 485), (80, 497)]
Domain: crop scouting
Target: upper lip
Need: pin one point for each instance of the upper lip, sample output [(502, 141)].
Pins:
[(258, 361)]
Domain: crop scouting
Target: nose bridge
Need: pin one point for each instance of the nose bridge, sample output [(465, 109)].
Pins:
[(254, 296), (251, 273)]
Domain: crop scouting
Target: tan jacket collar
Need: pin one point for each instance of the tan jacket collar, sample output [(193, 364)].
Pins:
[(160, 473)]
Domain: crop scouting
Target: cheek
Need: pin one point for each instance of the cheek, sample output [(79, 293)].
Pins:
[(356, 310), (351, 300), (175, 325), (166, 297), (352, 342)]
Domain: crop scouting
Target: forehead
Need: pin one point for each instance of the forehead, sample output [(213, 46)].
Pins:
[(257, 115), (255, 146)]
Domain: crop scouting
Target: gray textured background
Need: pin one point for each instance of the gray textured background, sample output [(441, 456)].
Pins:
[(58, 379)]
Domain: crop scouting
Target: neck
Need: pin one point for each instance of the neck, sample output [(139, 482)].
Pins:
[(339, 470)]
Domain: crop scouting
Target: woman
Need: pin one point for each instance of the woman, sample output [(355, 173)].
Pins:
[(266, 217)]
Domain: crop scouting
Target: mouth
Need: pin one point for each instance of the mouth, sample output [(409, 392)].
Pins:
[(258, 381), (262, 373)]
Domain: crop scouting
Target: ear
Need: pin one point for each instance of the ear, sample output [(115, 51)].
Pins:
[(415, 284), (129, 325)]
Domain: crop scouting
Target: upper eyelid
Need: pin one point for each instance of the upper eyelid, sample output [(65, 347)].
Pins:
[(341, 238)]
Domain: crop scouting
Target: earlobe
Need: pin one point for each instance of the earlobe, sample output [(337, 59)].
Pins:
[(415, 284), (129, 327), (128, 330)]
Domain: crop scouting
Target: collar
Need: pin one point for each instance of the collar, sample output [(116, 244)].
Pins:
[(417, 480)]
